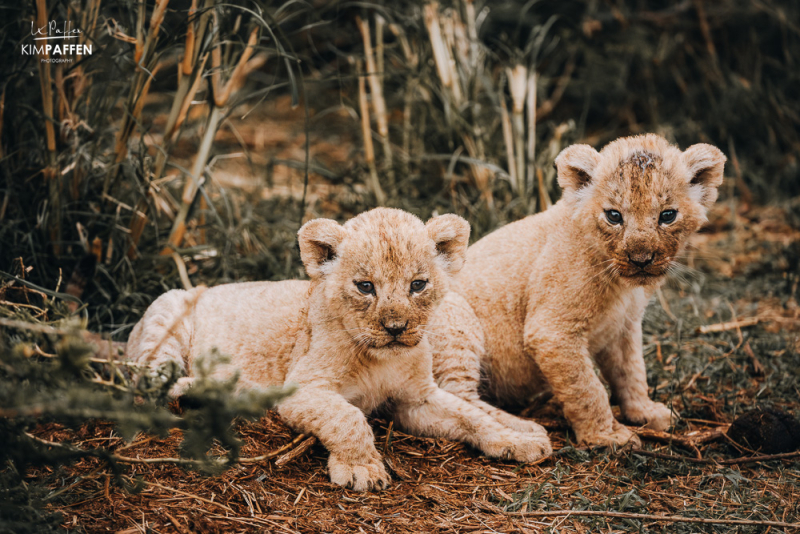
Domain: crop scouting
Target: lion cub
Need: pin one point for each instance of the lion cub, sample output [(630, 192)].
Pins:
[(352, 338), (542, 299)]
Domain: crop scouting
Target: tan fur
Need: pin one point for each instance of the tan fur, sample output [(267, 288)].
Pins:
[(543, 299), (334, 341)]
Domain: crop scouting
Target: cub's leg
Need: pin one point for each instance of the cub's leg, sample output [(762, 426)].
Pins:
[(343, 430), (164, 334), (442, 414), (565, 363), (458, 347), (622, 365)]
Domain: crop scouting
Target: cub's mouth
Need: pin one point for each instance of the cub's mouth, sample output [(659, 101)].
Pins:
[(642, 274), (639, 274), (408, 339), (400, 343)]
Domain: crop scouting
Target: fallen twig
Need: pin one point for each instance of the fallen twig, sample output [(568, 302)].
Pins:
[(276, 452), (283, 460), (186, 494), (644, 517), (691, 439), (730, 325), (729, 461), (297, 452)]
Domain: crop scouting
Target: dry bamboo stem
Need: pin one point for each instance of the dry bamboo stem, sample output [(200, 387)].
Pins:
[(221, 97), (448, 32), (143, 55), (50, 173), (441, 53), (223, 94), (730, 325), (517, 82), (187, 88), (376, 91), (508, 140), (544, 197), (531, 105), (193, 182), (381, 74), (408, 102), (431, 12), (366, 132), (380, 23)]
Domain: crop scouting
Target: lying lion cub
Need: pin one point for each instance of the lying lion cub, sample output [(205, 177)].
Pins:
[(543, 298), (352, 338)]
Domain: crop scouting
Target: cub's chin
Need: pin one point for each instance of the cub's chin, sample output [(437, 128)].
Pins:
[(395, 347), (641, 278)]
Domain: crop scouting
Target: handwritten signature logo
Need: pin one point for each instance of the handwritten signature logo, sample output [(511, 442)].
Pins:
[(52, 30)]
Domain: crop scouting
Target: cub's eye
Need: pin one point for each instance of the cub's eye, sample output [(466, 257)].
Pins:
[(366, 287), (667, 216), (614, 217), (418, 285)]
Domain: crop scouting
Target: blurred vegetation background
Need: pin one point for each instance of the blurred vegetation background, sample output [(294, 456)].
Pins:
[(198, 136)]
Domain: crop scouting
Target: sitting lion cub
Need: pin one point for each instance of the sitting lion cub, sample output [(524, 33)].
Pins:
[(352, 338), (543, 298)]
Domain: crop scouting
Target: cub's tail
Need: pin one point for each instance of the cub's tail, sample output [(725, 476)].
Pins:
[(164, 334)]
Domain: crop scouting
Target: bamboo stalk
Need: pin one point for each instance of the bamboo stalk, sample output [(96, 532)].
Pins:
[(223, 93), (531, 152), (448, 32), (366, 132), (50, 174), (472, 32), (517, 84), (221, 97), (187, 65), (191, 76), (480, 173), (143, 55), (508, 140), (376, 91), (408, 102), (380, 23), (193, 182), (381, 77), (441, 55), (411, 57), (544, 196)]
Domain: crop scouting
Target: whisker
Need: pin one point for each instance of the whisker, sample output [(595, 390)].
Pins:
[(433, 334)]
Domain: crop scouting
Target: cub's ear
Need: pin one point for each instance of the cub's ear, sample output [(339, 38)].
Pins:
[(319, 245), (575, 165), (705, 164), (451, 235)]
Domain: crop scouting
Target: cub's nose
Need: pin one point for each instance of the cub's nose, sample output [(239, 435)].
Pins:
[(642, 260), (395, 329)]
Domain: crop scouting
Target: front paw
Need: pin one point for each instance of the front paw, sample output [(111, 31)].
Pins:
[(519, 447), (519, 424), (358, 475), (617, 436), (653, 415)]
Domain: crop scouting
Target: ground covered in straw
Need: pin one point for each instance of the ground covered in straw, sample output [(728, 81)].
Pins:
[(723, 337)]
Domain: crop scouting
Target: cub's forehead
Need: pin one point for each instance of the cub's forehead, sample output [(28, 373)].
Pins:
[(388, 251), (641, 177)]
